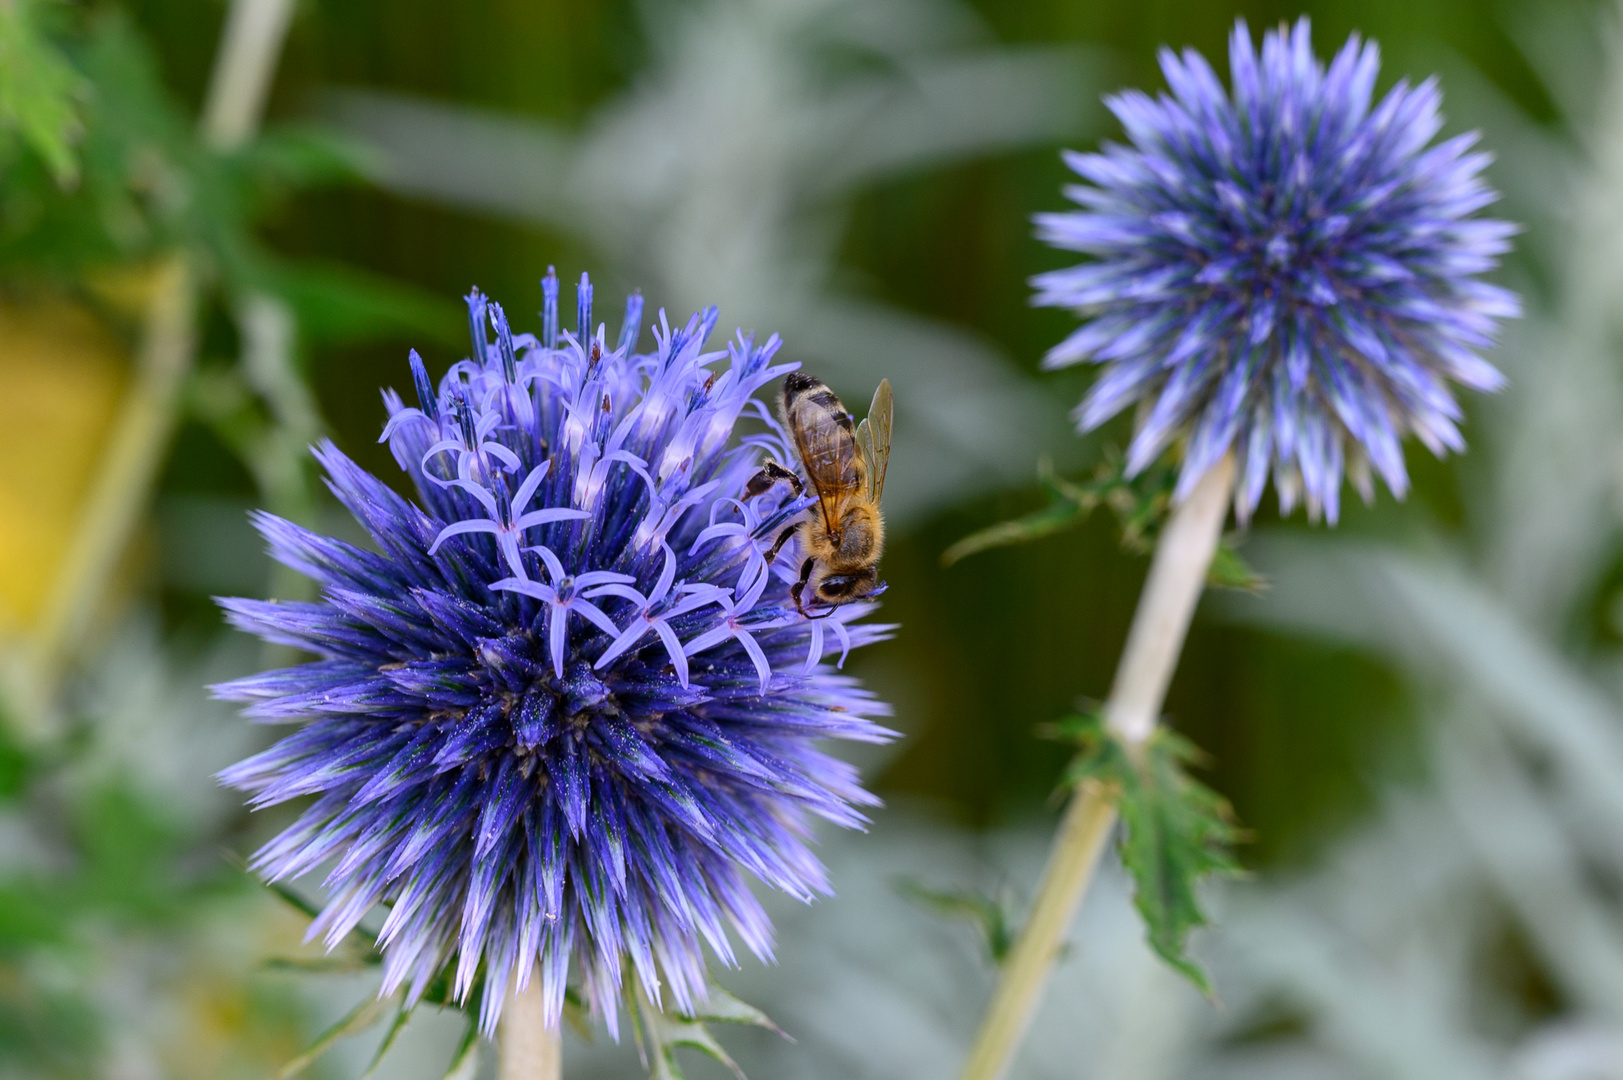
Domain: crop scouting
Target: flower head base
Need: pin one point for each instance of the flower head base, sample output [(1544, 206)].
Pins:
[(566, 706), (1283, 272)]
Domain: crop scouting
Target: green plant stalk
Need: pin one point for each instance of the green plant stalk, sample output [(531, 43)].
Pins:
[(528, 1048), (128, 467), (1183, 556), (243, 69)]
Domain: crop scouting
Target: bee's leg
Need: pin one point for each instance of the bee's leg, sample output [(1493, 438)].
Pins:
[(783, 538), (771, 472), (799, 587)]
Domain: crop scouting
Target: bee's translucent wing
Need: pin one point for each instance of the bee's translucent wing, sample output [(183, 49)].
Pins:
[(866, 448), (823, 442), (873, 436)]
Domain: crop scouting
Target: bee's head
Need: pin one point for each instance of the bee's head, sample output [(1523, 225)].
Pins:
[(843, 588)]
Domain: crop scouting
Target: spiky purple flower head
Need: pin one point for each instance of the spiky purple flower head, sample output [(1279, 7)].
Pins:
[(1282, 271), (565, 708)]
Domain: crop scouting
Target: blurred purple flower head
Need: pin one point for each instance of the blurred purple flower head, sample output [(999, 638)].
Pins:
[(565, 708), (1282, 271)]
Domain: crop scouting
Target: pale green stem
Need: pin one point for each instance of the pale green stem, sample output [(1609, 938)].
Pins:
[(528, 1049), (244, 66), (246, 60), (1183, 556), (119, 490)]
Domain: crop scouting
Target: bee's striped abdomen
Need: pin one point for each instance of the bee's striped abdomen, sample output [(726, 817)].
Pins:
[(799, 389)]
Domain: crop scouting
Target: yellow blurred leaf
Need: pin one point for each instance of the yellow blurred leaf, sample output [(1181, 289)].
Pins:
[(61, 374)]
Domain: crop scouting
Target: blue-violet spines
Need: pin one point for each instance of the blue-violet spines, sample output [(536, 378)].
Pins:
[(565, 708), (1286, 272)]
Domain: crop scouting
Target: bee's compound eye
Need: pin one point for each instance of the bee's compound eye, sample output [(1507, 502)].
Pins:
[(837, 587)]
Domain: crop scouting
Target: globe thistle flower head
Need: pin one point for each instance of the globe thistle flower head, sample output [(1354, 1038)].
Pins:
[(1284, 270), (565, 708)]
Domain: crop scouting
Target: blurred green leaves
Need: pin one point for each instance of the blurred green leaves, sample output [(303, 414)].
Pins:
[(146, 184), (40, 92), (121, 866), (80, 859)]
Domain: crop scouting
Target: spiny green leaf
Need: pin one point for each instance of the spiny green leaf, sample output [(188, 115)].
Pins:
[(1140, 504), (989, 915), (1229, 570), (722, 1007), (1176, 832), (675, 1032), (1051, 519), (39, 90), (659, 1033), (401, 1017), (357, 1019), (293, 899), (315, 965), (465, 1061), (150, 186), (359, 951), (1087, 730), (575, 1015)]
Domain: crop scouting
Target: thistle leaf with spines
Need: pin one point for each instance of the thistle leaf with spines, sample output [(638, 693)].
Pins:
[(659, 1034), (990, 914), (1141, 504), (1229, 570), (1069, 504), (465, 1059), (402, 1017), (1176, 830), (357, 1020)]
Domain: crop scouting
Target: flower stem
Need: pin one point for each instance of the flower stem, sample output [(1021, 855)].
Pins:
[(1183, 556), (529, 1050), (128, 467), (244, 67)]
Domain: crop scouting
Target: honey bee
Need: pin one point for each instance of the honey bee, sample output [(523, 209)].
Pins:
[(845, 465)]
